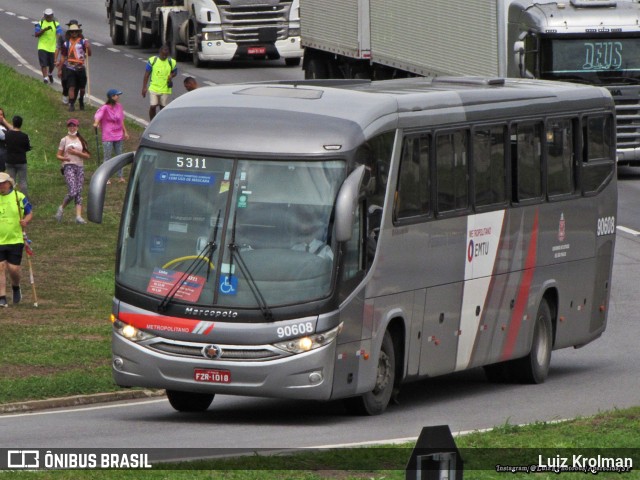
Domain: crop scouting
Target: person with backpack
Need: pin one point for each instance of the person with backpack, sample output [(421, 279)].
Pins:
[(47, 31), (158, 80), (71, 67), (59, 44)]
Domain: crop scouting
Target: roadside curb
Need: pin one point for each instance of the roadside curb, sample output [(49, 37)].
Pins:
[(77, 400)]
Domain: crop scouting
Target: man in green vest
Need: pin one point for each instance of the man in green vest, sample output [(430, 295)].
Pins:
[(46, 32), (158, 80)]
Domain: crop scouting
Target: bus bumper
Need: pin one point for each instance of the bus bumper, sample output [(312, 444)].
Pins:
[(218, 50), (304, 376)]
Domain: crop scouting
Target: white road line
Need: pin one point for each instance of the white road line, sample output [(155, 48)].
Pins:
[(23, 18), (114, 50), (630, 231), (80, 409)]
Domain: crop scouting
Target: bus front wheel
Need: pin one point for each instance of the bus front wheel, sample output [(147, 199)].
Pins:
[(375, 402), (189, 401)]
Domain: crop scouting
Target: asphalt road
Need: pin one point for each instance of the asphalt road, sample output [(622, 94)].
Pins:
[(600, 376), (115, 67)]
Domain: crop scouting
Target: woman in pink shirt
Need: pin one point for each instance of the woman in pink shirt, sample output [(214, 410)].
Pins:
[(110, 118)]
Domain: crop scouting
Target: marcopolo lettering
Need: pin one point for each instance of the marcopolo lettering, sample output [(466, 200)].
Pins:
[(207, 312)]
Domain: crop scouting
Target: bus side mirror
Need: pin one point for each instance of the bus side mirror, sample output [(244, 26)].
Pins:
[(518, 58), (347, 203), (98, 184)]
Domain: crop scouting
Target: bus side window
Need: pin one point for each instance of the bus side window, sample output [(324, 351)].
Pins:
[(489, 166), (412, 194), (527, 162), (560, 157), (598, 161), (452, 175)]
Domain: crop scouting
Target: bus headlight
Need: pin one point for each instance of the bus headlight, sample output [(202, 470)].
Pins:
[(130, 332), (310, 342)]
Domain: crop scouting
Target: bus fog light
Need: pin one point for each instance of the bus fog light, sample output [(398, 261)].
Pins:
[(118, 363), (315, 377)]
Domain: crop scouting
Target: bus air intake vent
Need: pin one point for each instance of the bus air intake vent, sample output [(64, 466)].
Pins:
[(229, 353)]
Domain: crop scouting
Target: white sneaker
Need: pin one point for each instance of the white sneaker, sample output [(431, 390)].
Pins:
[(80, 220), (59, 213), (65, 100)]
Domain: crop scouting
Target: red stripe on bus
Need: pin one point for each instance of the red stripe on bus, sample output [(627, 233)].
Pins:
[(160, 323), (523, 293)]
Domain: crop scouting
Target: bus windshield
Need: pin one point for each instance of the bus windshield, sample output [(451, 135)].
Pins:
[(226, 232), (599, 61)]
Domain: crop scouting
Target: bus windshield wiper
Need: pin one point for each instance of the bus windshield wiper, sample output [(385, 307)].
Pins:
[(205, 254), (235, 253)]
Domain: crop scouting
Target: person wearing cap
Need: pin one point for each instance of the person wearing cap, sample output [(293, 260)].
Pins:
[(158, 80), (47, 31), (15, 215), (59, 45), (18, 144), (110, 119), (72, 63), (72, 152)]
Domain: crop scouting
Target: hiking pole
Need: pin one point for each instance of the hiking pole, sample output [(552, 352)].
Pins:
[(97, 144), (88, 79), (29, 252)]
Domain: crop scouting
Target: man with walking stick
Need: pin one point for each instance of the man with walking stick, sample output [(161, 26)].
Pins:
[(15, 215)]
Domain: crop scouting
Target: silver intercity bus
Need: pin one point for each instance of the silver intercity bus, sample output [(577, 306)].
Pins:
[(336, 239)]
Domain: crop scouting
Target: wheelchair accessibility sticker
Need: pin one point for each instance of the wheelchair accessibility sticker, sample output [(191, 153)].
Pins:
[(228, 285)]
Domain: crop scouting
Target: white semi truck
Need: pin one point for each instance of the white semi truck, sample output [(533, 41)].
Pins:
[(210, 30), (586, 41)]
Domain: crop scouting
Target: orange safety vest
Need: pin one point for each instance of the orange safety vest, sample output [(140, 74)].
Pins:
[(73, 58)]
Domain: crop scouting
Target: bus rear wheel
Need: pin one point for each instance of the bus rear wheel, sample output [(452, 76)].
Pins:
[(376, 401), (189, 401)]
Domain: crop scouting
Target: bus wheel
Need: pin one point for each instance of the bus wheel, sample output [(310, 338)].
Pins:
[(376, 401), (188, 401), (534, 368)]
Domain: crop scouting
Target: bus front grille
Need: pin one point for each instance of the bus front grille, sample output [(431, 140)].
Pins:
[(229, 353), (627, 121), (259, 22)]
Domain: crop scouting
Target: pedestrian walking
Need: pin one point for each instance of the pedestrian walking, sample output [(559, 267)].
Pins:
[(72, 65), (46, 31), (18, 144), (4, 127), (110, 119), (58, 54), (190, 84), (158, 80), (72, 152), (15, 215)]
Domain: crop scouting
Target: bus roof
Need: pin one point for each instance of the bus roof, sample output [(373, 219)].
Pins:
[(302, 118)]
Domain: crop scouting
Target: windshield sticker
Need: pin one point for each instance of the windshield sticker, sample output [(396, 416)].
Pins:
[(242, 201), (224, 186), (168, 176), (158, 244), (228, 285), (163, 281), (178, 227)]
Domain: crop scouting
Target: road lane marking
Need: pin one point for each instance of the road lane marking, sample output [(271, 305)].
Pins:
[(80, 409), (630, 231)]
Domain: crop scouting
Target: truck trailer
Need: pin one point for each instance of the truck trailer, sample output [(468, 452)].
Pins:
[(210, 30), (584, 41)]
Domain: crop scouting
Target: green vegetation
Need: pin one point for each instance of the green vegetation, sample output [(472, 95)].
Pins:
[(63, 346)]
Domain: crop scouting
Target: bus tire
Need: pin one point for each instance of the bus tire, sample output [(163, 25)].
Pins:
[(189, 401), (534, 368), (376, 401)]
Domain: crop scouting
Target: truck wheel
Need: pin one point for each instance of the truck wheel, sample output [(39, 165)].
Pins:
[(115, 31), (376, 401), (188, 401), (316, 69), (129, 36), (292, 62), (172, 40), (143, 39)]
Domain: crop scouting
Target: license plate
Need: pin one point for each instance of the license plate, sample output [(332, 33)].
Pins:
[(208, 375), (257, 50)]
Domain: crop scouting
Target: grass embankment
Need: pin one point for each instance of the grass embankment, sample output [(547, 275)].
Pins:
[(62, 347)]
